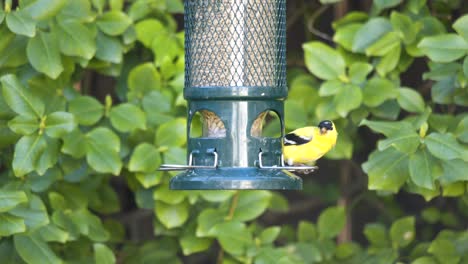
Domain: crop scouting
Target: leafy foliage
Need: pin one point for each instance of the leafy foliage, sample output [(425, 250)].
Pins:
[(63, 144)]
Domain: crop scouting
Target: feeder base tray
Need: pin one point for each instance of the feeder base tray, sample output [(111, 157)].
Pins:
[(236, 179)]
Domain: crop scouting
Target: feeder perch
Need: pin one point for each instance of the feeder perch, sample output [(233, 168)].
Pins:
[(235, 74)]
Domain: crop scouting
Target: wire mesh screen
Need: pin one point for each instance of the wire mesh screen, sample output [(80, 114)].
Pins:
[(235, 43)]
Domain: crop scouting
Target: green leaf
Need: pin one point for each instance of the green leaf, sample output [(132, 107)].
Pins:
[(415, 5), (387, 110), (10, 199), (34, 214), (95, 230), (251, 204), (349, 18), (24, 125), (402, 231), (323, 61), (87, 110), (445, 146), (269, 234), (8, 252), (74, 144), (410, 100), (216, 196), (295, 114), (175, 155), (172, 133), (345, 35), (157, 102), (27, 154), (329, 1), (75, 39), (52, 233), (49, 157), (388, 128), (331, 87), (116, 4), (424, 260), (454, 170), (168, 196), (455, 189), (102, 254), (127, 117), (172, 215), (77, 10), (109, 49), (465, 66), (377, 90), (113, 22), (389, 61), (234, 237), (370, 32), (150, 179), (206, 220), (331, 222), (444, 250), (384, 45), (442, 91), (348, 98), (143, 79), (268, 255), (306, 232), (406, 28), (145, 158), (377, 235), (462, 130), (147, 30), (59, 124), (406, 141), (16, 55), (20, 99), (102, 151), (192, 244), (44, 9), (421, 166), (34, 250), (383, 4), (444, 48), (21, 23), (358, 72), (461, 26), (10, 225), (2, 16), (387, 170), (40, 183), (43, 54)]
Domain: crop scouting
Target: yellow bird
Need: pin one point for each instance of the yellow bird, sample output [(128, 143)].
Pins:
[(308, 144)]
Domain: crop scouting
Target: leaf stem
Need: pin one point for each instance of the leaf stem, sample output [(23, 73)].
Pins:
[(7, 6), (232, 209), (220, 258), (311, 23)]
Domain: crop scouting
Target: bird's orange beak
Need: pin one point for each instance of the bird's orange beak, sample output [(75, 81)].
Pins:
[(323, 130)]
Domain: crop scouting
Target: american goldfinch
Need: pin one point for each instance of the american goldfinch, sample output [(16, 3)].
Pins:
[(308, 144)]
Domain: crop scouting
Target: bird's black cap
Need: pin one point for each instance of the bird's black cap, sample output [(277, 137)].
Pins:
[(326, 124)]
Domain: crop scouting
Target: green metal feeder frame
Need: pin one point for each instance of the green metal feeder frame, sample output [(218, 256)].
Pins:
[(235, 74)]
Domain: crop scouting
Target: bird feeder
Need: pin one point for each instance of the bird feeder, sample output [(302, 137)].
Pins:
[(235, 74)]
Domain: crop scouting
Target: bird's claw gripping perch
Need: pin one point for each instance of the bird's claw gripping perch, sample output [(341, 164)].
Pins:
[(305, 169)]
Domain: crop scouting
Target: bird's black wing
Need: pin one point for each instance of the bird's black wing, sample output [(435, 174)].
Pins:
[(294, 139)]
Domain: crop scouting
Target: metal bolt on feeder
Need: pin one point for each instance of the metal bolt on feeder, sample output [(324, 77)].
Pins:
[(235, 75)]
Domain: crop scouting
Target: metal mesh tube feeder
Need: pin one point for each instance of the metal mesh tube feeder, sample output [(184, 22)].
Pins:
[(235, 74)]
